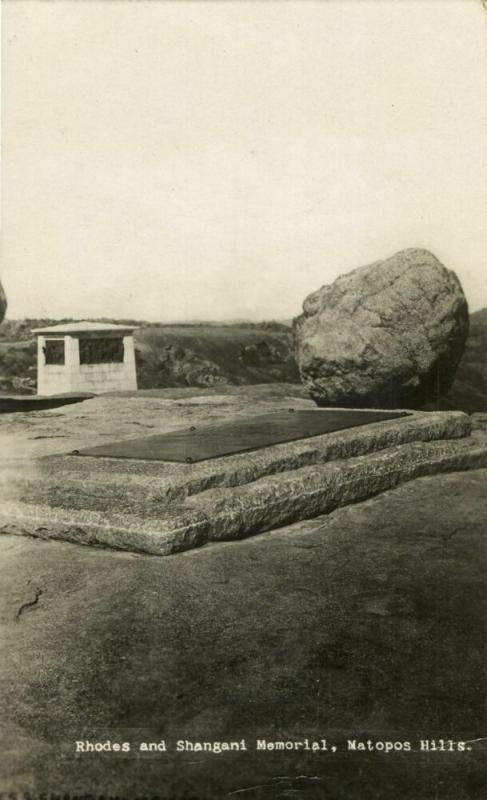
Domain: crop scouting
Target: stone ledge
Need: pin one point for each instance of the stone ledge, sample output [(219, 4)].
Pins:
[(147, 487), (233, 512)]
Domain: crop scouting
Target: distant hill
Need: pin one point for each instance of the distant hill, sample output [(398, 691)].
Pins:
[(469, 390), (191, 354), (208, 354)]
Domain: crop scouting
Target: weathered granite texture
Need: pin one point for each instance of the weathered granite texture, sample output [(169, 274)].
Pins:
[(145, 486), (163, 508), (117, 415), (3, 303), (386, 335), (365, 623)]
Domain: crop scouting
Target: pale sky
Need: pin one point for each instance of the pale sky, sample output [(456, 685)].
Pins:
[(221, 160)]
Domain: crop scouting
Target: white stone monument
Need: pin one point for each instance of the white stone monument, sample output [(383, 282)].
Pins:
[(85, 357)]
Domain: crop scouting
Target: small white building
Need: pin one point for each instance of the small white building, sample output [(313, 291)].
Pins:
[(85, 357)]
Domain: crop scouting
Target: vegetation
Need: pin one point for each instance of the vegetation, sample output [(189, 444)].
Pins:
[(18, 369), (193, 354), (208, 354), (469, 391)]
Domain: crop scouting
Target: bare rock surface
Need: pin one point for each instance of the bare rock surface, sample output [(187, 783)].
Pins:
[(364, 624), (389, 334)]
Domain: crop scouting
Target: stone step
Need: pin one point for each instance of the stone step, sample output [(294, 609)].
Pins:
[(146, 487), (234, 511)]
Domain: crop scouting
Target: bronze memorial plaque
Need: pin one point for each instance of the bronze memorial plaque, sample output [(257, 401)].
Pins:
[(198, 443)]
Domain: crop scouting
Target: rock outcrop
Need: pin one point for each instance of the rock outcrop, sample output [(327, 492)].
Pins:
[(3, 303), (389, 334)]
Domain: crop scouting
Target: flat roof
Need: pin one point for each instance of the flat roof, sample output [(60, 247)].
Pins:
[(84, 327)]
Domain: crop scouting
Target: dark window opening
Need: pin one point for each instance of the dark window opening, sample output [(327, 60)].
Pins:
[(54, 351), (100, 351)]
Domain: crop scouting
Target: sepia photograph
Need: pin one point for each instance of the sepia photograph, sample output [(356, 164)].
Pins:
[(243, 400)]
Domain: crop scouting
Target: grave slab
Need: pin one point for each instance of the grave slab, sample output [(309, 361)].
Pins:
[(162, 508), (235, 436)]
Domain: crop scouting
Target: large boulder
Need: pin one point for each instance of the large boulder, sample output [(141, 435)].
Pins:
[(389, 335), (3, 303)]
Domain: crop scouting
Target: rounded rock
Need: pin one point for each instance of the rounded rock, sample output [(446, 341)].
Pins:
[(3, 303), (387, 335)]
